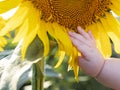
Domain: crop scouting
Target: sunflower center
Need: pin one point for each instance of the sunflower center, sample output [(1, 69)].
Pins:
[(69, 8), (71, 13)]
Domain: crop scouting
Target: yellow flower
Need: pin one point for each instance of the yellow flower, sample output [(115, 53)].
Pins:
[(3, 41), (40, 17)]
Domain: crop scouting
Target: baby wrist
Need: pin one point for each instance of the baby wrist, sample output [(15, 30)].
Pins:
[(100, 70)]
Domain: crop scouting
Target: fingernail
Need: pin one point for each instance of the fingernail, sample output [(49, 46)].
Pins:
[(70, 32), (80, 28), (89, 31)]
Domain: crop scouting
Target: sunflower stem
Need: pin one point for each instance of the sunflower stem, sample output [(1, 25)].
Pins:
[(38, 75)]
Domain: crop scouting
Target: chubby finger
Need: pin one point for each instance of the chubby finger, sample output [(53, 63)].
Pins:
[(92, 37), (83, 33), (79, 45), (81, 39), (75, 41), (77, 36)]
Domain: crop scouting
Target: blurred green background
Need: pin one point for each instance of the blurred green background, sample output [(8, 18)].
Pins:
[(60, 79), (66, 81)]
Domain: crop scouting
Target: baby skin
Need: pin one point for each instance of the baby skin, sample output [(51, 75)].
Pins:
[(92, 62)]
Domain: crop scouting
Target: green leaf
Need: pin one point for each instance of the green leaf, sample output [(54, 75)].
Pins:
[(35, 50)]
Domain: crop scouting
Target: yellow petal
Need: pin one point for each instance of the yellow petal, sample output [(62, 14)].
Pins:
[(112, 29), (3, 41), (102, 39), (33, 27), (20, 34), (115, 6), (61, 58), (94, 29), (17, 19), (113, 21), (27, 41), (74, 62), (105, 41), (115, 10), (50, 29), (76, 70), (63, 38), (42, 34), (2, 22), (8, 4)]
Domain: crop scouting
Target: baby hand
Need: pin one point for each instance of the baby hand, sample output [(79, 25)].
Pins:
[(91, 61)]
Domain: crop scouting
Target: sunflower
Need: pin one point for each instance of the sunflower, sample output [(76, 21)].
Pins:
[(38, 18), (3, 41)]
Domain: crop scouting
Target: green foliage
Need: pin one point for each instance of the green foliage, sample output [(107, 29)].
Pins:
[(10, 45), (67, 81), (60, 78)]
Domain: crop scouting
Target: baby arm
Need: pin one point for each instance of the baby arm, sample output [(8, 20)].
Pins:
[(93, 63)]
